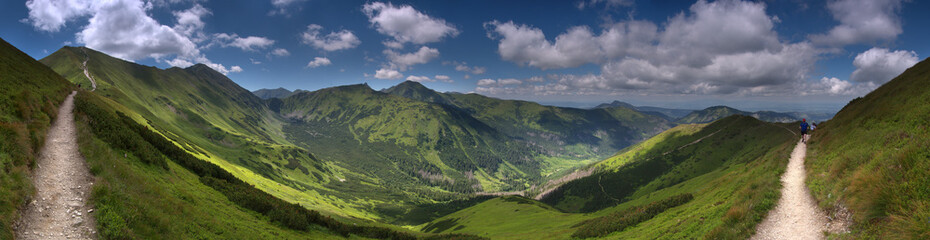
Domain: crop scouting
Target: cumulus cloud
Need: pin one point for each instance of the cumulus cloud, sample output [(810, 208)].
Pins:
[(319, 62), (419, 79), (528, 45), (721, 47), (403, 61), (879, 65), (388, 74), (251, 42), (190, 22), (463, 67), (280, 52), (51, 15), (498, 82), (124, 29), (406, 24), (443, 78), (862, 21), (343, 39), (282, 6)]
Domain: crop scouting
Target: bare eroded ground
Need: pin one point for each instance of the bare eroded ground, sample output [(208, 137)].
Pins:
[(59, 208)]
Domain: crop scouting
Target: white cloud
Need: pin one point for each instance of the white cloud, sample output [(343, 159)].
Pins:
[(443, 78), (283, 6), (190, 23), (256, 62), (463, 67), (419, 79), (406, 24), (879, 65), (388, 74), (343, 39), (862, 21), (722, 47), (318, 62), (246, 44), (51, 15), (123, 29), (499, 82), (579, 45), (280, 52), (403, 61)]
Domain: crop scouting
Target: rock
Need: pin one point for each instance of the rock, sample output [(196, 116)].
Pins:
[(90, 210)]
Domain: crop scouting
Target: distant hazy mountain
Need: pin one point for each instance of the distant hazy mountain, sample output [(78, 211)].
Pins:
[(670, 112), (717, 112), (616, 104), (265, 93)]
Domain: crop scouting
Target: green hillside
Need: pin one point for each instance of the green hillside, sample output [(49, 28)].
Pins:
[(873, 157), (279, 93), (717, 112), (210, 116), (29, 97), (732, 174)]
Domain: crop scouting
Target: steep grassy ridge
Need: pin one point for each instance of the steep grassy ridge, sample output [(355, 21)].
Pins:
[(873, 158), (211, 117), (732, 174), (730, 140), (29, 97)]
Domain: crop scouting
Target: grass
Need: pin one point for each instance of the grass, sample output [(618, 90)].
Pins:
[(728, 199), (873, 157), (29, 97)]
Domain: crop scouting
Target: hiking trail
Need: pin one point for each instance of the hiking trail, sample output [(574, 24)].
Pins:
[(86, 72), (59, 208), (796, 215)]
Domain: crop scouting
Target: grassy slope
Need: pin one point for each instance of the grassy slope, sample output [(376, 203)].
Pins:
[(729, 199), (717, 112), (152, 202), (29, 97), (873, 157), (214, 119), (395, 150)]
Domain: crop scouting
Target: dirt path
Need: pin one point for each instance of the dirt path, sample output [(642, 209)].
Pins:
[(796, 216), (59, 208), (87, 73)]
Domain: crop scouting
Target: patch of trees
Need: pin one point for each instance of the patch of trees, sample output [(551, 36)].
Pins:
[(618, 221)]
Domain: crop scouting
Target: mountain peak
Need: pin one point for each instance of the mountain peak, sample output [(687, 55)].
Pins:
[(416, 91), (616, 103)]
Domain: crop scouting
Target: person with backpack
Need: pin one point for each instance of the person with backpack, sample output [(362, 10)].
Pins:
[(804, 127)]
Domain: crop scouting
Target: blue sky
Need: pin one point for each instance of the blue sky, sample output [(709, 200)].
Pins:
[(780, 55)]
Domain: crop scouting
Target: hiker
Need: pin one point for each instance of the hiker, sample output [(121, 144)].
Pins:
[(804, 127)]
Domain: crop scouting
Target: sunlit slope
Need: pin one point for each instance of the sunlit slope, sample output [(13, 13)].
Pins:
[(394, 140), (563, 138), (29, 97), (873, 158), (732, 172), (210, 116)]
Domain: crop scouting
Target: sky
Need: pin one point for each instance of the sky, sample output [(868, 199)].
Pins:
[(781, 55)]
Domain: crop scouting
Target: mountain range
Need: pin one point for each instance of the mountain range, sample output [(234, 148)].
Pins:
[(408, 162)]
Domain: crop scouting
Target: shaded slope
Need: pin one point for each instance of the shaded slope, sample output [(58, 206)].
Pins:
[(30, 94), (873, 157), (265, 93), (717, 112)]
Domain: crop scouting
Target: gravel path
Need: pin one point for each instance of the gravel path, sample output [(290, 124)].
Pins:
[(59, 208), (796, 216), (87, 73)]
